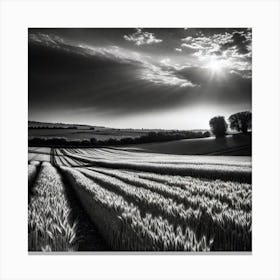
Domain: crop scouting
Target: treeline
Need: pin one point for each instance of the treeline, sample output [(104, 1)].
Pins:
[(52, 127), (241, 122), (148, 138)]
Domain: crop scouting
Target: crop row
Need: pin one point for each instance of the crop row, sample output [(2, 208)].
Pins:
[(229, 229), (217, 194), (126, 225), (143, 157), (210, 171), (138, 156), (49, 224), (200, 213)]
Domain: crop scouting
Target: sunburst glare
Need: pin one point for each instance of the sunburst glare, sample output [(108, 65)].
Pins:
[(215, 65)]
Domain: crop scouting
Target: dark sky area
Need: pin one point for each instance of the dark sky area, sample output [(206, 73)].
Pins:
[(138, 78)]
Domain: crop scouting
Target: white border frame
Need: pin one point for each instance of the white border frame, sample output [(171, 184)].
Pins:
[(17, 16)]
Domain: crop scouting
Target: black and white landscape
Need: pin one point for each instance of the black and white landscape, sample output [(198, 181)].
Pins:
[(140, 139)]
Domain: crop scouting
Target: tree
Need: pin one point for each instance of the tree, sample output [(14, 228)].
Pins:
[(241, 121), (93, 141), (206, 134), (218, 126)]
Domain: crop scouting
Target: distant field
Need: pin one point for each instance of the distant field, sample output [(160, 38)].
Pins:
[(81, 134), (231, 145), (225, 149), (237, 144)]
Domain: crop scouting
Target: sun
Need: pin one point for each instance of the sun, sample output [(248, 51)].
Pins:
[(215, 65)]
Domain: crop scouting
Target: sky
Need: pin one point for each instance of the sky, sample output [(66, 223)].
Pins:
[(139, 77)]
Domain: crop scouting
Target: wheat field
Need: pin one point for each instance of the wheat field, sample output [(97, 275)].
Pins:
[(114, 199)]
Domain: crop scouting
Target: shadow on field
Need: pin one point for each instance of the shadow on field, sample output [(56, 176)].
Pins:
[(89, 239), (38, 152), (234, 145), (31, 181)]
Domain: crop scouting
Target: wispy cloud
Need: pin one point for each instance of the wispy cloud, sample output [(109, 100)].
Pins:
[(46, 39), (158, 73), (165, 76), (140, 37), (161, 72), (110, 52)]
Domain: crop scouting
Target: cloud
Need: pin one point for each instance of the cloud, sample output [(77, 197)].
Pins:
[(159, 75), (109, 52), (107, 80), (220, 42), (142, 38), (178, 49), (150, 71), (245, 74), (96, 76), (234, 86), (232, 49), (241, 40), (192, 47), (65, 82), (46, 39), (208, 44), (112, 80)]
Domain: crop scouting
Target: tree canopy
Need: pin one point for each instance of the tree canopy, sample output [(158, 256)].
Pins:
[(241, 121), (218, 126)]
